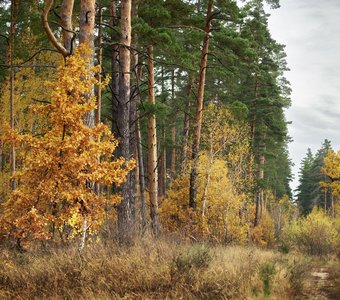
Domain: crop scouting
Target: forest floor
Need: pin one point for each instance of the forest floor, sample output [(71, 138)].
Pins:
[(166, 269)]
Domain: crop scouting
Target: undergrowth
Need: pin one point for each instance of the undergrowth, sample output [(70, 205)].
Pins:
[(162, 269)]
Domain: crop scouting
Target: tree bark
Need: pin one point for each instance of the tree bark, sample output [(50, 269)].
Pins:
[(259, 209), (86, 36), (48, 30), (125, 220), (66, 11), (173, 132), (100, 61), (208, 177), (199, 108), (186, 124), (141, 172), (173, 152), (162, 165), (14, 17), (114, 71), (152, 149)]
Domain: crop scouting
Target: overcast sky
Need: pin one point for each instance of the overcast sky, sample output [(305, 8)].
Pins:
[(310, 29)]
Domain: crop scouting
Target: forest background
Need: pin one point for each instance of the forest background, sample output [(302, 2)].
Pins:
[(158, 119)]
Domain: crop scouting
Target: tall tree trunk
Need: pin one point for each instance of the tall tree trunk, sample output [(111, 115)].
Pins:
[(14, 16), (173, 132), (162, 165), (332, 205), (152, 149), (208, 177), (173, 152), (86, 36), (136, 137), (134, 175), (186, 123), (114, 71), (259, 208), (66, 11), (140, 161), (100, 62), (125, 221), (199, 108)]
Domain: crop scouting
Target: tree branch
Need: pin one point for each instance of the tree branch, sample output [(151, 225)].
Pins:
[(47, 28)]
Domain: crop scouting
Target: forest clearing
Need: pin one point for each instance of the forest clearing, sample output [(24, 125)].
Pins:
[(144, 155)]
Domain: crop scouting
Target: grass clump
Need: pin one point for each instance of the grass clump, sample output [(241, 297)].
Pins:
[(196, 256)]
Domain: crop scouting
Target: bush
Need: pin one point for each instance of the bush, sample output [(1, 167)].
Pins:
[(197, 256), (316, 234), (267, 272)]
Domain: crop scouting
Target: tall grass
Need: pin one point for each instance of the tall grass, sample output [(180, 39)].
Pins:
[(150, 269)]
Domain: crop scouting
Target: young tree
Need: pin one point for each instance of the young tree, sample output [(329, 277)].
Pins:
[(61, 164)]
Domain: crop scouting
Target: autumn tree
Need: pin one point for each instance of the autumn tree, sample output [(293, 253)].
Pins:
[(61, 164)]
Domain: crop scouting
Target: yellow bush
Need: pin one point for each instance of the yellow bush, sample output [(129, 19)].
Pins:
[(316, 234), (219, 220), (264, 234)]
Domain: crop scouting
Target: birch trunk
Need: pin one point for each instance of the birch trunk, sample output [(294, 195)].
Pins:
[(14, 17), (152, 149)]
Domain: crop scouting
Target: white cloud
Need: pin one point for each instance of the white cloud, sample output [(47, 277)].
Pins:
[(310, 29)]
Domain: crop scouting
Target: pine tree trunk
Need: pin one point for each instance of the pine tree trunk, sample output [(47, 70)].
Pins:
[(134, 175), (173, 132), (125, 221), (140, 161), (199, 108), (207, 182), (152, 149), (114, 71), (259, 209), (86, 36), (66, 11), (162, 165), (173, 152), (186, 124)]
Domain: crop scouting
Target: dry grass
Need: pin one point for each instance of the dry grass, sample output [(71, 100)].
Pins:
[(149, 270)]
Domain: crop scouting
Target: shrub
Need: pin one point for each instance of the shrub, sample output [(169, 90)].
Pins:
[(316, 234), (267, 272), (197, 256)]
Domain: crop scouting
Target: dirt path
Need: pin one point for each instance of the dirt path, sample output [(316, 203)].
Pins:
[(320, 285)]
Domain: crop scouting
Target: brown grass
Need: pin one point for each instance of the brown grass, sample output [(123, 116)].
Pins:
[(148, 270)]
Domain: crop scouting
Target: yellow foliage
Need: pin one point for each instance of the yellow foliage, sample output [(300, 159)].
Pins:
[(222, 183), (316, 234), (263, 234), (61, 166), (331, 169)]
